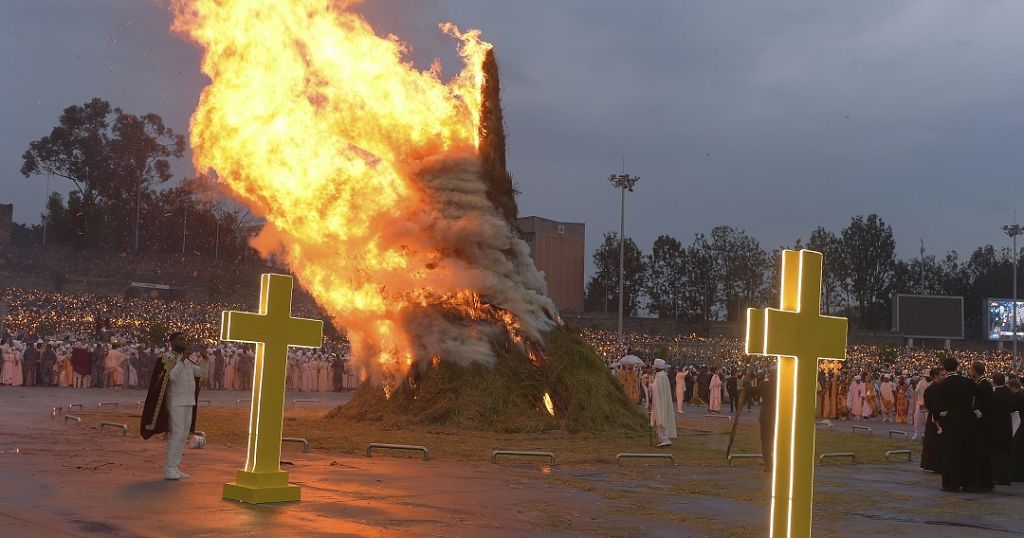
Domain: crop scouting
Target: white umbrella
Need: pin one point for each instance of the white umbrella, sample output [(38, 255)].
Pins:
[(631, 359)]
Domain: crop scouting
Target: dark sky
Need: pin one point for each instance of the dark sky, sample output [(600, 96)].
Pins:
[(775, 117)]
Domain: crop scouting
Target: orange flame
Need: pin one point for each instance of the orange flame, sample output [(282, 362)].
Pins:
[(548, 404), (367, 173)]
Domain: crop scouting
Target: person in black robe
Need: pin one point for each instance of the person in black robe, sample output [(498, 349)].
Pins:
[(688, 381), (766, 418), (931, 449), (1018, 437), (1001, 436), (154, 412), (732, 390), (984, 402), (958, 419)]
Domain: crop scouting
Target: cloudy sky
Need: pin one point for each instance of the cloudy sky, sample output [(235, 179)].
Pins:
[(775, 117)]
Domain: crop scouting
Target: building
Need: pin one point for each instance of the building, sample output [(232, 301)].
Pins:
[(558, 249), (6, 223)]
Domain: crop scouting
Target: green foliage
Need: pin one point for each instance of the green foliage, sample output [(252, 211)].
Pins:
[(743, 267), (665, 281), (869, 253), (603, 287)]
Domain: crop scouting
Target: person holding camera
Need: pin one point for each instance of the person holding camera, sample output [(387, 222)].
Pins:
[(171, 401)]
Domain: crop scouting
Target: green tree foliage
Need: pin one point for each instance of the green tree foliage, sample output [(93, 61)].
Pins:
[(743, 268), (869, 253), (112, 158), (834, 271), (702, 275), (603, 287), (665, 283)]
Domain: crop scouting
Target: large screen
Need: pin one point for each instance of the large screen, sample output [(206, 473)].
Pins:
[(999, 319), (929, 316)]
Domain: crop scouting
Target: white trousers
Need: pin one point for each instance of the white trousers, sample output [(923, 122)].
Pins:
[(179, 420), (919, 417)]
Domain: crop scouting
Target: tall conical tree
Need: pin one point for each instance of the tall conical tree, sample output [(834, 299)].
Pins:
[(500, 190)]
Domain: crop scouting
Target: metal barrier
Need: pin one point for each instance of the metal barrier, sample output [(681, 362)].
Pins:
[(55, 409), (305, 443), (897, 432), (369, 449), (726, 417), (207, 402), (72, 406), (78, 420), (907, 453), (851, 455), (854, 428), (496, 453), (118, 425), (102, 404), (238, 402), (620, 456), (826, 422), (298, 401), (745, 457)]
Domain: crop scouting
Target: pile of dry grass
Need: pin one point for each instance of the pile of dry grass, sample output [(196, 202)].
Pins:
[(508, 397)]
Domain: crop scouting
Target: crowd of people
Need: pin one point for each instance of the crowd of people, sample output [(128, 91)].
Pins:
[(82, 340), (970, 422), (111, 365)]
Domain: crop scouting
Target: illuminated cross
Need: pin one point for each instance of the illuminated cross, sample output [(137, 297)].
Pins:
[(799, 335), (273, 330)]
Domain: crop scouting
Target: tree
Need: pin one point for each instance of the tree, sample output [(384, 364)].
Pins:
[(666, 277), (833, 278), (603, 287), (989, 273), (702, 281), (743, 267), (869, 252), (112, 158)]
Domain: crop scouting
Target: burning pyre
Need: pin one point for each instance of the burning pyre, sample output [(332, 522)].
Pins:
[(369, 176)]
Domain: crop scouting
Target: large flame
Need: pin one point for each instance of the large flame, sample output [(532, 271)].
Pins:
[(367, 172)]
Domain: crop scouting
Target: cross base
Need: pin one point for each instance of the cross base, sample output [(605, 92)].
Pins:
[(259, 488)]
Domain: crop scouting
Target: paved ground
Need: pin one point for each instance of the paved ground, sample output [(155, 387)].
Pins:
[(60, 480)]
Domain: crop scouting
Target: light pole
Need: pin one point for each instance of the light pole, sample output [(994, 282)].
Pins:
[(622, 182), (1013, 230)]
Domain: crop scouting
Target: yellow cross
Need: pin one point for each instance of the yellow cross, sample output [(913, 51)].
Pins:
[(799, 335), (273, 330)]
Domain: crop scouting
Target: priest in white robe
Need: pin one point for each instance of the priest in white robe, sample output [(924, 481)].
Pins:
[(855, 399), (663, 417), (680, 391), (715, 396)]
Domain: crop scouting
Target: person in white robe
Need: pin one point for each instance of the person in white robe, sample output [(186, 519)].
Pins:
[(715, 396), (7, 374), (663, 417), (920, 414), (888, 397), (855, 398), (680, 391), (307, 375)]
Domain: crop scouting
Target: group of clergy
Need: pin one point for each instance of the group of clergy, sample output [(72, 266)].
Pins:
[(689, 385), (970, 434)]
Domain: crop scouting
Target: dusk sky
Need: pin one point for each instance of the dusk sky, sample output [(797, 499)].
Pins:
[(774, 117)]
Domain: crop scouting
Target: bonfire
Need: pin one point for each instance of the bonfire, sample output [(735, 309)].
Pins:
[(385, 191)]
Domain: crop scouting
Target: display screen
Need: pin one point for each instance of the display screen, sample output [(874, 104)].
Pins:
[(999, 319), (929, 316)]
